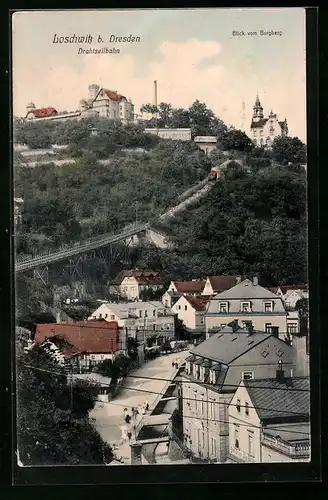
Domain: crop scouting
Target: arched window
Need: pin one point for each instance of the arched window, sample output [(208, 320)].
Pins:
[(261, 141), (268, 141)]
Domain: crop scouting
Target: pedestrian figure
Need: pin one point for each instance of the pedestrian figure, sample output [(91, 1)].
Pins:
[(129, 435), (139, 410), (127, 419), (147, 407)]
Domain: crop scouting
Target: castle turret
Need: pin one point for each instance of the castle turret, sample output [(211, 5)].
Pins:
[(257, 110), (93, 91), (83, 105)]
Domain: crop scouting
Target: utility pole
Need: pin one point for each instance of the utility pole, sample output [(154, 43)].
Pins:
[(156, 115)]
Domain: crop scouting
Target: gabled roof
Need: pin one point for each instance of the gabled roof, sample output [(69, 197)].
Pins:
[(222, 283), (283, 126), (285, 288), (90, 337), (246, 290), (273, 403), (43, 112), (142, 277), (197, 303), (259, 124), (189, 286), (226, 347)]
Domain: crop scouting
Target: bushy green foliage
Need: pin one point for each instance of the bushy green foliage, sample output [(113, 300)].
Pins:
[(289, 150), (53, 425), (252, 223), (67, 203)]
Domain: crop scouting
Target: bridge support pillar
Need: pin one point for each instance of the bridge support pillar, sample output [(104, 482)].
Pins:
[(42, 273)]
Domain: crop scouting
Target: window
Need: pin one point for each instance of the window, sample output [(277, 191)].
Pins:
[(238, 405), (250, 444), (112, 316), (237, 436), (202, 405), (154, 327), (179, 307), (146, 314), (223, 307), (166, 303), (154, 312), (268, 327), (168, 326), (268, 306), (245, 306), (195, 399), (100, 315), (140, 314), (291, 327), (247, 375), (106, 315), (92, 356), (186, 308), (213, 446), (261, 132), (246, 408)]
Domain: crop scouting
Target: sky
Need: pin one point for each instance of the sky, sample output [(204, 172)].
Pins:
[(192, 54)]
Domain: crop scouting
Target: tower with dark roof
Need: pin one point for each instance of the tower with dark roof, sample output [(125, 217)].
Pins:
[(257, 110)]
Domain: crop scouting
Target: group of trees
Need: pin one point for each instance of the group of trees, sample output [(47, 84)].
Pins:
[(77, 201), (53, 423), (251, 222), (198, 117)]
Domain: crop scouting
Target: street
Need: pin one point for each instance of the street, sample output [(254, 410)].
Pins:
[(108, 417)]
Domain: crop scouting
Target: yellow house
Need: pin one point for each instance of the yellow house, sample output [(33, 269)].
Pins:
[(269, 420)]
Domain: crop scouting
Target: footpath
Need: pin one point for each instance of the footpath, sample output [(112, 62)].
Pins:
[(136, 391)]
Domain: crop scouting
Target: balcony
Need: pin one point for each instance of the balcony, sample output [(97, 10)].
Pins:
[(295, 450), (240, 455)]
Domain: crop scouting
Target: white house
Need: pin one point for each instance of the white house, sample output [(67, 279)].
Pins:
[(248, 301), (191, 310), (264, 130), (130, 284), (139, 319), (269, 420), (212, 375), (217, 284)]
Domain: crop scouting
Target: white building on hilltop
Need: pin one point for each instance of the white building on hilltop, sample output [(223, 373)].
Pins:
[(100, 102), (264, 130)]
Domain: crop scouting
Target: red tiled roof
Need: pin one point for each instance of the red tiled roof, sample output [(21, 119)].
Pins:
[(113, 96), (259, 124), (198, 303), (142, 277), (43, 112), (222, 283), (90, 337), (189, 286)]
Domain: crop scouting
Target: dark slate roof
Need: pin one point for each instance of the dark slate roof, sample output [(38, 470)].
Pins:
[(272, 402), (227, 347), (259, 124)]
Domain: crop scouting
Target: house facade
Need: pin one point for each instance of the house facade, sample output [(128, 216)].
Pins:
[(101, 102), (140, 320), (130, 284), (269, 420), (264, 130), (247, 301), (212, 375), (191, 310)]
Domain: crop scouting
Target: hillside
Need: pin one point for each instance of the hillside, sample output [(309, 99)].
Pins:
[(75, 201)]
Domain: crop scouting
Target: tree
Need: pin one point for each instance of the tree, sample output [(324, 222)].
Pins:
[(53, 423), (302, 306), (289, 150), (233, 139)]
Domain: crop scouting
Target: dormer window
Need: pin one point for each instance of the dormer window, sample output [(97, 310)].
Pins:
[(154, 312), (212, 377), (245, 306), (223, 307), (268, 306)]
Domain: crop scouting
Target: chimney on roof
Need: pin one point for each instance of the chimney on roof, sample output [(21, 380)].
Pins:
[(255, 281), (274, 330), (280, 374), (234, 325), (249, 327), (238, 279)]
